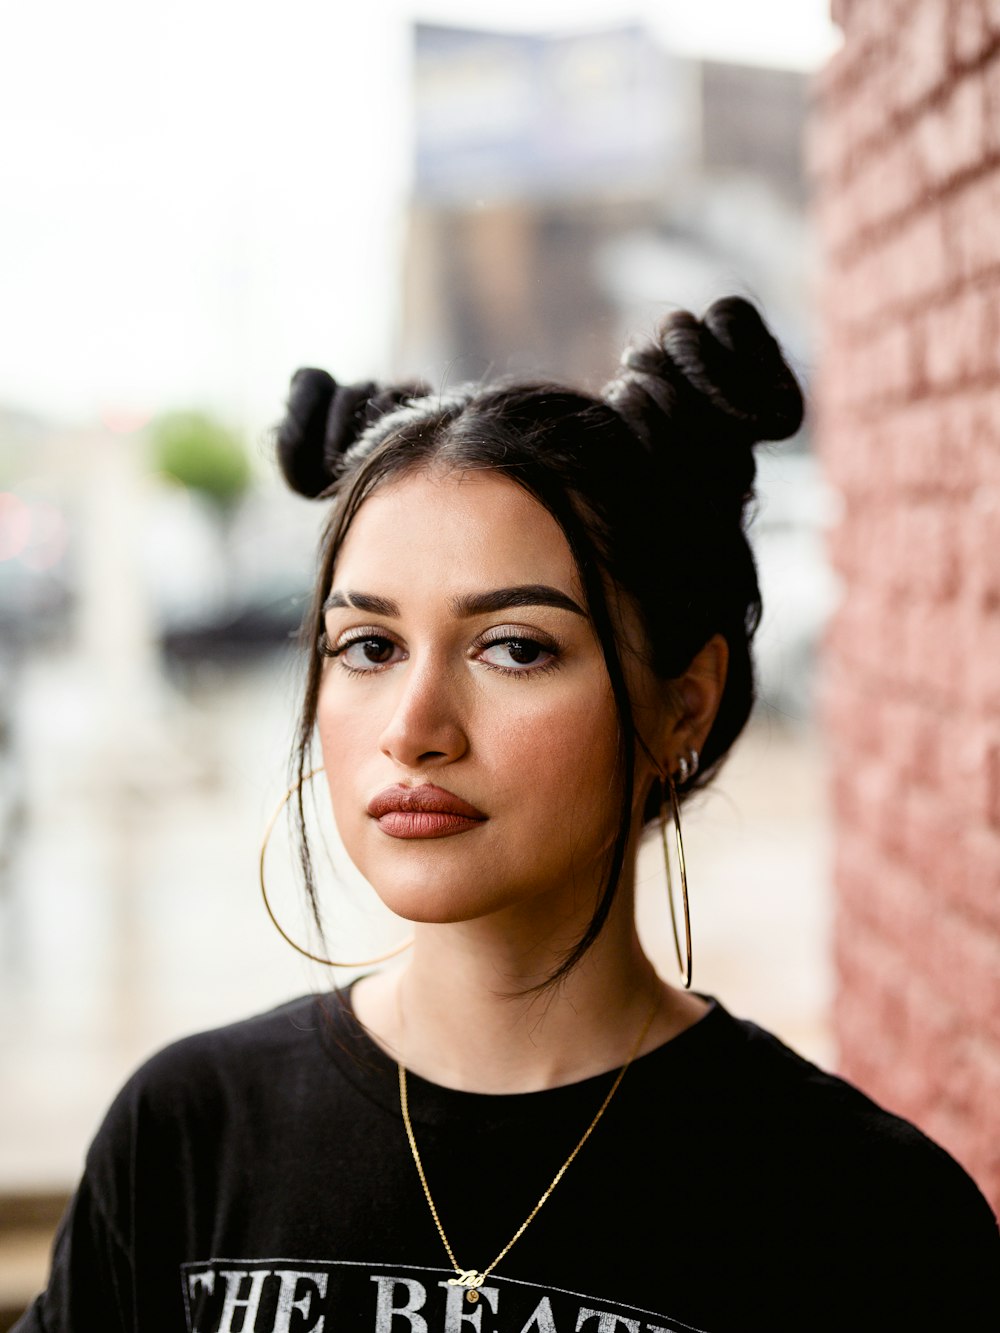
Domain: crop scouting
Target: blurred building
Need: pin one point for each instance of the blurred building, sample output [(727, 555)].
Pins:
[(568, 188)]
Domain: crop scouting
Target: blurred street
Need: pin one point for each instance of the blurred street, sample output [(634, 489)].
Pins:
[(131, 913)]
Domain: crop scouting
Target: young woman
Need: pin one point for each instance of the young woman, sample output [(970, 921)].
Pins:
[(530, 640)]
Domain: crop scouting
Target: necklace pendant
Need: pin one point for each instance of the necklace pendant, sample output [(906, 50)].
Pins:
[(469, 1278)]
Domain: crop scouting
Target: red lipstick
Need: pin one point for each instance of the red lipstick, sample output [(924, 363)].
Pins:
[(423, 812)]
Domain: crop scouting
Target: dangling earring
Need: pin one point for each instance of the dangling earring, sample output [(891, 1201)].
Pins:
[(316, 958), (687, 766)]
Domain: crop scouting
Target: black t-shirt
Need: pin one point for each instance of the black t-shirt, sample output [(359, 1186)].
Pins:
[(257, 1179)]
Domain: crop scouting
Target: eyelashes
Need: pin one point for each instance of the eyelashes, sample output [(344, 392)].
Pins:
[(520, 646), (369, 650), (367, 640)]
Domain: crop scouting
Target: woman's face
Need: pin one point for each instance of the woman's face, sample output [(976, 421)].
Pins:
[(463, 666)]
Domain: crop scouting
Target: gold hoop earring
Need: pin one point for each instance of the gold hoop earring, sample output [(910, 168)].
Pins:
[(316, 958), (667, 787)]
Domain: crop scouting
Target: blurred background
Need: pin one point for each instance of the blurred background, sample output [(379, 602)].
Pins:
[(199, 200)]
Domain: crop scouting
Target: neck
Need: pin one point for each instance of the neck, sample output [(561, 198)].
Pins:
[(461, 1013)]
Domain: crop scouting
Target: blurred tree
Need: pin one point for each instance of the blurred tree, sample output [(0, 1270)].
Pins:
[(203, 454)]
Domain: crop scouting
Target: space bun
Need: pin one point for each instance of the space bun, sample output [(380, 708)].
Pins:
[(713, 387), (323, 419)]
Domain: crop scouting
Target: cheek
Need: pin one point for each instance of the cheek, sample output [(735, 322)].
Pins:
[(564, 748), (346, 736), (338, 723)]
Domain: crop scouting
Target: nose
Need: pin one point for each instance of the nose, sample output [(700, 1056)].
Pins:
[(427, 723)]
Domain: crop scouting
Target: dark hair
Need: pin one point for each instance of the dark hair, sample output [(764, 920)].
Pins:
[(650, 481)]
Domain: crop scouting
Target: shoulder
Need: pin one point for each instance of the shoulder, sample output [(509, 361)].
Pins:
[(793, 1090), (207, 1102), (792, 1093), (209, 1081), (874, 1166), (279, 1037)]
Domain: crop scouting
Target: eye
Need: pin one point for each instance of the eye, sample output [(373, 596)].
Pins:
[(362, 653), (518, 655)]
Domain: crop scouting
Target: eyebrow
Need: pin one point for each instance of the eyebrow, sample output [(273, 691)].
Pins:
[(469, 604)]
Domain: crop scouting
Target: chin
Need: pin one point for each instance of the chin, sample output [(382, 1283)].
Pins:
[(434, 904), (436, 898)]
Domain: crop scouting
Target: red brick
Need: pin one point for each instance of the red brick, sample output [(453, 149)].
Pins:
[(917, 444), (874, 527), (839, 219), (865, 25), (873, 798), (979, 536), (944, 1089), (838, 124), (964, 963), (972, 744), (858, 128), (991, 84), (921, 827), (983, 427), (932, 650), (983, 1059), (926, 558), (976, 1069), (856, 727), (910, 264), (889, 182), (913, 742), (970, 32), (864, 457), (920, 262), (972, 224), (860, 635), (887, 366), (978, 856), (957, 339), (981, 646), (971, 438), (902, 908), (951, 138), (920, 52), (889, 645)]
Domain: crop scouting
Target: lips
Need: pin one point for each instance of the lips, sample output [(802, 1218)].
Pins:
[(425, 811)]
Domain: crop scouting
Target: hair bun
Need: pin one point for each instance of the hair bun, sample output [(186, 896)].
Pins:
[(722, 374), (323, 419)]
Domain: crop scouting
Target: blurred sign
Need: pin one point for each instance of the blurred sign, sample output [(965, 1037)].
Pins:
[(529, 117)]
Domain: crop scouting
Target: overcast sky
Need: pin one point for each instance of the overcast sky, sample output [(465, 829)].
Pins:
[(202, 195)]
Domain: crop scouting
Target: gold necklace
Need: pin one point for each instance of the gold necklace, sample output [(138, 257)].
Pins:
[(471, 1278)]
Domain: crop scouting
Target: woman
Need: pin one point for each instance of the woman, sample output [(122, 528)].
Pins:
[(530, 639)]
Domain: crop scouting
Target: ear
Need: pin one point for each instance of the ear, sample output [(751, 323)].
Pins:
[(698, 693)]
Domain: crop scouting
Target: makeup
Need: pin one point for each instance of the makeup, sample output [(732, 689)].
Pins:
[(425, 811)]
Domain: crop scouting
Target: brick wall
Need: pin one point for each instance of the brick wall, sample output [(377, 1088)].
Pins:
[(904, 152)]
